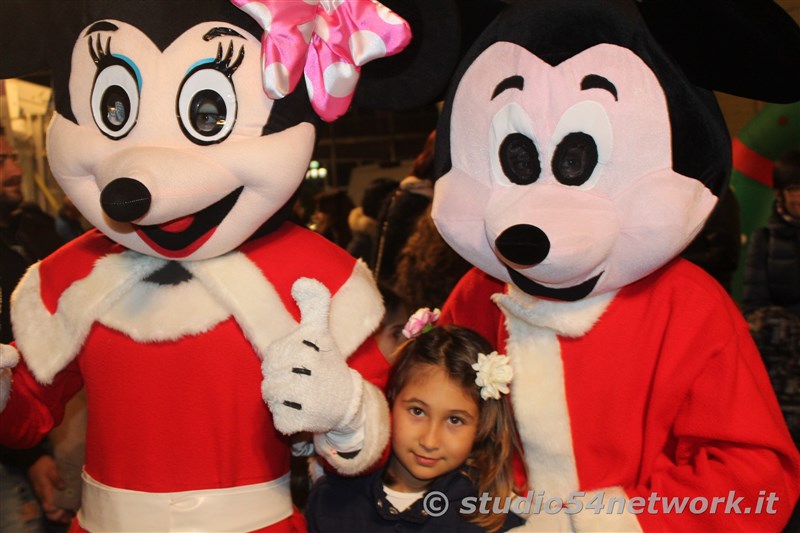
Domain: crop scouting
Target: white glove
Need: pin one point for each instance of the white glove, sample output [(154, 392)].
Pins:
[(307, 383), (9, 357)]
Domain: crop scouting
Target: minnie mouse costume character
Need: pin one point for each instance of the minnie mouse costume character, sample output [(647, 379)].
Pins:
[(578, 156), (203, 325)]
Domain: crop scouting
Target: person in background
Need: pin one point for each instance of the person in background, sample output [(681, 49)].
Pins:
[(331, 209), (717, 247), (29, 479), (389, 334), (427, 268), (401, 211), (452, 434), (771, 292), (772, 268), (69, 222), (363, 219)]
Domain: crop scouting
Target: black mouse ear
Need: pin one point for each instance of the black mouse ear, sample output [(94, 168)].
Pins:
[(442, 30), (23, 37), (748, 48)]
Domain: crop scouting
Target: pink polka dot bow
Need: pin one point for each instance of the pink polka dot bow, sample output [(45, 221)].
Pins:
[(328, 40)]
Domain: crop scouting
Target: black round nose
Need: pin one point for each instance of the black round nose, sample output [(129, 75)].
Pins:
[(125, 199), (523, 244)]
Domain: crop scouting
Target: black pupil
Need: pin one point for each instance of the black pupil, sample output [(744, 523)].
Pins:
[(117, 107), (207, 112), (575, 159), (520, 159)]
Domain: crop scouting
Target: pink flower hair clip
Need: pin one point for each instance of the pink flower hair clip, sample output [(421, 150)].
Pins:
[(328, 41), (420, 322)]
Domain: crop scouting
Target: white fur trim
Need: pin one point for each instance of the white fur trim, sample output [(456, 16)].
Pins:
[(9, 357), (49, 342), (356, 310), (5, 387), (157, 313), (568, 319), (618, 519), (241, 287), (114, 294), (376, 436), (540, 408), (538, 392)]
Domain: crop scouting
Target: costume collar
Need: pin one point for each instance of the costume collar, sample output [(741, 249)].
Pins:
[(50, 342), (568, 319)]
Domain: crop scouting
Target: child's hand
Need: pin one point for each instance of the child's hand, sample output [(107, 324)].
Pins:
[(9, 357), (307, 383)]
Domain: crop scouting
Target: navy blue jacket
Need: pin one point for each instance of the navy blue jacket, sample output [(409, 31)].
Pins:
[(339, 504)]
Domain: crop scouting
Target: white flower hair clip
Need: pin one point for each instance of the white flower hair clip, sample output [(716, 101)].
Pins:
[(494, 375), (420, 322)]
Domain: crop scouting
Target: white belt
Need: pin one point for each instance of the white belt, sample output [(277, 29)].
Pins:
[(237, 509)]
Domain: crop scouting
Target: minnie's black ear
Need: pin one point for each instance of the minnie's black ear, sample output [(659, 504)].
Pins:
[(749, 48), (23, 37), (442, 30)]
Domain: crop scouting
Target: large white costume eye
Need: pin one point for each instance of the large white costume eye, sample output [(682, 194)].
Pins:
[(207, 105), (511, 137), (583, 140), (115, 98)]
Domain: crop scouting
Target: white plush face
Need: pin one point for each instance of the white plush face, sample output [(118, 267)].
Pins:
[(561, 180), (188, 128)]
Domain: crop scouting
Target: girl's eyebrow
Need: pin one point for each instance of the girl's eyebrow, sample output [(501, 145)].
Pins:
[(415, 400)]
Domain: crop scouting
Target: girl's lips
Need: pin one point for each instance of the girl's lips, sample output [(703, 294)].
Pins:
[(425, 461)]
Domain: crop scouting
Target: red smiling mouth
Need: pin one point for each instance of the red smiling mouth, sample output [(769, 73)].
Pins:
[(183, 236)]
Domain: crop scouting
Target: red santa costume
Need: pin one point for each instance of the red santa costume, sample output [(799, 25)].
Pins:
[(691, 418), (203, 327), (174, 375), (580, 151)]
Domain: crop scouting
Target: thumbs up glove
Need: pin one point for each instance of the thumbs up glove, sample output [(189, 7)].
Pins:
[(307, 383)]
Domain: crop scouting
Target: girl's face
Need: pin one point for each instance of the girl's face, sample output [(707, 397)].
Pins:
[(435, 422)]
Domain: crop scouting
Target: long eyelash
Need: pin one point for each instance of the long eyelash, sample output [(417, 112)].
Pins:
[(99, 55), (224, 65)]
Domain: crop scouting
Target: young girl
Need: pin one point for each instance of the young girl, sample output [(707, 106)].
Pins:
[(453, 439)]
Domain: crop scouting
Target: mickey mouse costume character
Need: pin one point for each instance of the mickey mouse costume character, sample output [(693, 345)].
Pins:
[(578, 156), (203, 326)]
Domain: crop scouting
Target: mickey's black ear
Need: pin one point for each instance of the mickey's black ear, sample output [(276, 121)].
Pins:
[(23, 37), (749, 48), (442, 30)]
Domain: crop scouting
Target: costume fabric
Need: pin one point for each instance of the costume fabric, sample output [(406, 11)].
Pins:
[(658, 390), (213, 429)]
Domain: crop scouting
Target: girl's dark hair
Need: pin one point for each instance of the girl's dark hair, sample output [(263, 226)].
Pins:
[(427, 267), (455, 349)]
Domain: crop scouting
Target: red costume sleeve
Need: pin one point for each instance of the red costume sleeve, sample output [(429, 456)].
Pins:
[(33, 410)]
